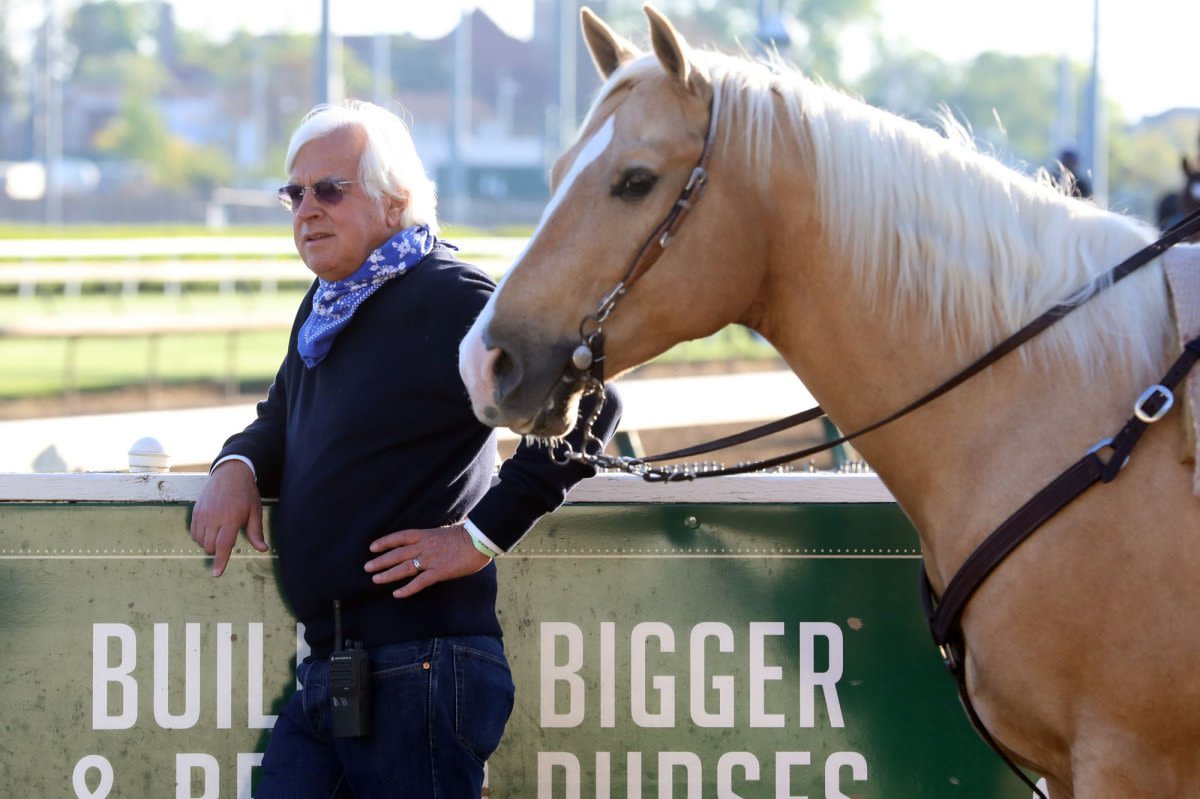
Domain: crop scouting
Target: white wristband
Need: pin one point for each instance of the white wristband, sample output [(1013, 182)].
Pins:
[(481, 541)]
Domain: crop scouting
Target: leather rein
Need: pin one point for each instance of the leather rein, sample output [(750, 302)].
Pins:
[(944, 613)]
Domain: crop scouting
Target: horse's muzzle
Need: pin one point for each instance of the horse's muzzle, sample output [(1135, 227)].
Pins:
[(506, 393)]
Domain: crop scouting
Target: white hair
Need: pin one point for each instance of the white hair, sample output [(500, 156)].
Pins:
[(389, 166)]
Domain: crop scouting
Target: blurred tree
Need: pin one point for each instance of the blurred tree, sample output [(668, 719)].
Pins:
[(199, 169), (907, 82), (102, 29), (1144, 161), (138, 133), (825, 21), (814, 45), (132, 74), (1008, 102), (703, 22), (266, 82)]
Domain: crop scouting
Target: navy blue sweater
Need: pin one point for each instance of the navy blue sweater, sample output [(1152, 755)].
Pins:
[(380, 437)]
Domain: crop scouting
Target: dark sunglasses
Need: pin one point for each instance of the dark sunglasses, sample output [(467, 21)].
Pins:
[(327, 192)]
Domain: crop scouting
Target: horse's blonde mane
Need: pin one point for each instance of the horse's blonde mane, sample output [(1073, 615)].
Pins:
[(925, 218)]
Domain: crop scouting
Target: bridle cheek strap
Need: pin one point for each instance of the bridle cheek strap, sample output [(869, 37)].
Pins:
[(656, 243), (587, 361)]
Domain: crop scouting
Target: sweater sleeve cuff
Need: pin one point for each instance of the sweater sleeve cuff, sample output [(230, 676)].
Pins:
[(507, 514)]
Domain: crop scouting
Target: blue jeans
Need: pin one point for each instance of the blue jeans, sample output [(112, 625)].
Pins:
[(438, 709)]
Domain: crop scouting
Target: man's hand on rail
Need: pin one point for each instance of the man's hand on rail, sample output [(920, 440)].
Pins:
[(228, 502)]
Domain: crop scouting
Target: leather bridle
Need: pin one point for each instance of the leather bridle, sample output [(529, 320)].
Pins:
[(591, 327), (587, 361)]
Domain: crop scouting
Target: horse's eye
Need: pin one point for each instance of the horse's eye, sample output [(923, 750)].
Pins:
[(635, 184)]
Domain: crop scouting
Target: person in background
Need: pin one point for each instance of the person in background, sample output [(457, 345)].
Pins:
[(1167, 212), (387, 520), (1069, 175)]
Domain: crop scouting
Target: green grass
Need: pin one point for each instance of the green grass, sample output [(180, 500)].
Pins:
[(92, 303), (32, 368)]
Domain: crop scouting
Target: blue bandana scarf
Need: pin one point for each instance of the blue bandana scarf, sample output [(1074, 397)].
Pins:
[(335, 303)]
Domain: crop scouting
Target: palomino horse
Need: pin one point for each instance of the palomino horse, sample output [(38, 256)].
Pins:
[(879, 257)]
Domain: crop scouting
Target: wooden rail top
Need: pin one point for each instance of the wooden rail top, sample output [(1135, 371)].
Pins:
[(822, 487)]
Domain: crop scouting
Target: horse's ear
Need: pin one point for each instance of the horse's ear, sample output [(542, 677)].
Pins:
[(669, 45), (609, 51)]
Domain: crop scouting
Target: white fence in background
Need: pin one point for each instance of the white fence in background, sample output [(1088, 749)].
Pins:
[(131, 264), (43, 250)]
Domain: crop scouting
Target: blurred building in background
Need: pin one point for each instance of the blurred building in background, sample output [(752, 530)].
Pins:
[(115, 102), (110, 112)]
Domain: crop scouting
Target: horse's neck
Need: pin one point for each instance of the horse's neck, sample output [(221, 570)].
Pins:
[(962, 464)]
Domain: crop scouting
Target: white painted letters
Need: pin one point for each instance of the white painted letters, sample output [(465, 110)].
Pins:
[(104, 675), (663, 685), (810, 678), (210, 772), (552, 674), (761, 673), (723, 686), (162, 678), (177, 676)]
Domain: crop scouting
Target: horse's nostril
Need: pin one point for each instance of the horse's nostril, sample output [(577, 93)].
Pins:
[(507, 372)]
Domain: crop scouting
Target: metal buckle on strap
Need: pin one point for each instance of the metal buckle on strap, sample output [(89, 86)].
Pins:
[(948, 656), (1155, 392), (1106, 442)]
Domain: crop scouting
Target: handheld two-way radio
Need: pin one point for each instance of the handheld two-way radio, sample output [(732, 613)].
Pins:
[(350, 683)]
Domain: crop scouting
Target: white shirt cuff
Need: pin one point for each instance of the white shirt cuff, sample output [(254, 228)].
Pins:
[(241, 458)]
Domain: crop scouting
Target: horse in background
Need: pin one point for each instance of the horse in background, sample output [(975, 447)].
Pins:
[(879, 257), (1177, 205), (1189, 195)]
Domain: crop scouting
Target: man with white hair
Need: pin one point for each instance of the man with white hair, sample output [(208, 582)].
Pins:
[(387, 520)]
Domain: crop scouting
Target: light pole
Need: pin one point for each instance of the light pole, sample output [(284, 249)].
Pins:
[(1097, 142), (567, 32), (381, 64), (460, 117), (329, 73), (52, 115)]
